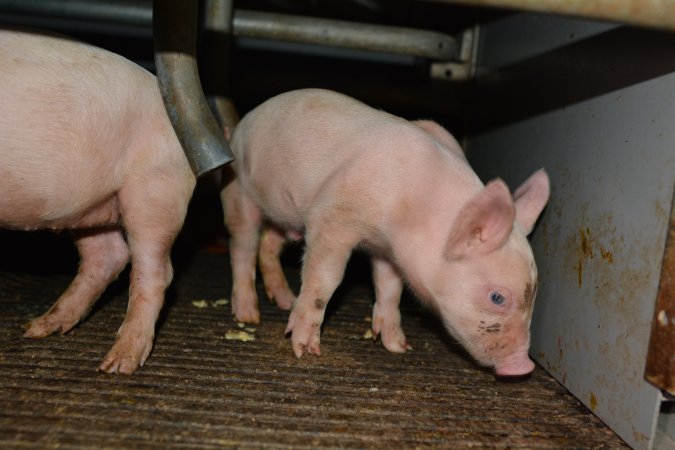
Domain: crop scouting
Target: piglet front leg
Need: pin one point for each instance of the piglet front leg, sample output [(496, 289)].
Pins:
[(386, 313), (325, 259)]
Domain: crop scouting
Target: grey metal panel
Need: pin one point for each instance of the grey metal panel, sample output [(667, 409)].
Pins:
[(665, 431), (600, 241), (522, 36)]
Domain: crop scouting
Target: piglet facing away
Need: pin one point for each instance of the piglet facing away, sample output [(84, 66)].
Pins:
[(86, 145), (345, 175)]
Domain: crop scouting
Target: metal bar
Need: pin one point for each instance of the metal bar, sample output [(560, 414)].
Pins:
[(660, 367), (175, 40), (216, 50), (362, 36), (338, 33), (126, 12), (652, 14)]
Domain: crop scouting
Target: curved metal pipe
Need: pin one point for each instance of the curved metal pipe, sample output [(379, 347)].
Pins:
[(175, 41)]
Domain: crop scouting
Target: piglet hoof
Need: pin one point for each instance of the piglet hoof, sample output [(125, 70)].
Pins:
[(126, 355), (392, 337), (284, 300), (45, 325), (278, 293), (305, 336), (124, 364), (246, 312), (396, 345)]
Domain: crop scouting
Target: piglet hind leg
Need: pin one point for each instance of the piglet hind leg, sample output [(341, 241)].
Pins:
[(326, 256), (243, 220), (276, 286), (386, 313), (150, 275), (103, 255), (152, 223)]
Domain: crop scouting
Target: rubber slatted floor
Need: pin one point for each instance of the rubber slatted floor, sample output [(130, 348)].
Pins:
[(205, 387)]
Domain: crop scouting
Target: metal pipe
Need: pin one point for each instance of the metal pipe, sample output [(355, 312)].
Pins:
[(652, 14), (175, 41), (338, 33), (126, 12), (311, 30), (215, 61)]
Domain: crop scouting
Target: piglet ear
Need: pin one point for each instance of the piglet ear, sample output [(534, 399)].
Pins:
[(530, 199), (484, 223)]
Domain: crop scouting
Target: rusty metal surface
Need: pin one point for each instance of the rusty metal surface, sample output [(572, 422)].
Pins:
[(600, 242), (654, 14), (175, 41), (660, 368), (201, 390)]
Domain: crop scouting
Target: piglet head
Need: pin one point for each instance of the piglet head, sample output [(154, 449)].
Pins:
[(488, 303)]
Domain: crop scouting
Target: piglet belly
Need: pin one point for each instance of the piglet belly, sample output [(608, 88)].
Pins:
[(281, 206), (275, 192), (57, 212)]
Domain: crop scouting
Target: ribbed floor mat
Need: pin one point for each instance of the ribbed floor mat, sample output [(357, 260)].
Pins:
[(200, 389)]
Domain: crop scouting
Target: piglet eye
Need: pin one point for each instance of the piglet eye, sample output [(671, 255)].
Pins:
[(497, 298)]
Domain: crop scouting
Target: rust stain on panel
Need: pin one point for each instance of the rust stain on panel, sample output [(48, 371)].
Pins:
[(585, 237), (607, 256), (593, 402), (587, 248), (660, 367), (585, 252)]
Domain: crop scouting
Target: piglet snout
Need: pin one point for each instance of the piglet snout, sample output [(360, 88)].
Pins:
[(517, 364)]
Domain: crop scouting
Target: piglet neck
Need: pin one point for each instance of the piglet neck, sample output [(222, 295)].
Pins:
[(418, 261)]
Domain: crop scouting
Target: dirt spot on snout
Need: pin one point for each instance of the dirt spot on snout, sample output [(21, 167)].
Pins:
[(494, 328)]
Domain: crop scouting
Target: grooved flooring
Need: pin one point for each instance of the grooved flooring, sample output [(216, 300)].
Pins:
[(201, 390)]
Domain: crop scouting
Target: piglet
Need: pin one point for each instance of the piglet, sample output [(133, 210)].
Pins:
[(320, 164), (86, 145)]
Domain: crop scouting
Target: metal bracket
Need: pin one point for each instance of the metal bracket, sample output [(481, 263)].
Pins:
[(464, 68)]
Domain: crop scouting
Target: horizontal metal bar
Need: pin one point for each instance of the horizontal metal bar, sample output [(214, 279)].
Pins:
[(123, 12), (652, 14), (261, 25), (338, 33)]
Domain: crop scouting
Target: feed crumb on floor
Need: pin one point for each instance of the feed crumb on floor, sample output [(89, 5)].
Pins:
[(200, 303), (239, 335)]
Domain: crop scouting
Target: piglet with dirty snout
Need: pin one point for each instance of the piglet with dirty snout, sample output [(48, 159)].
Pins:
[(345, 175), (86, 145)]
